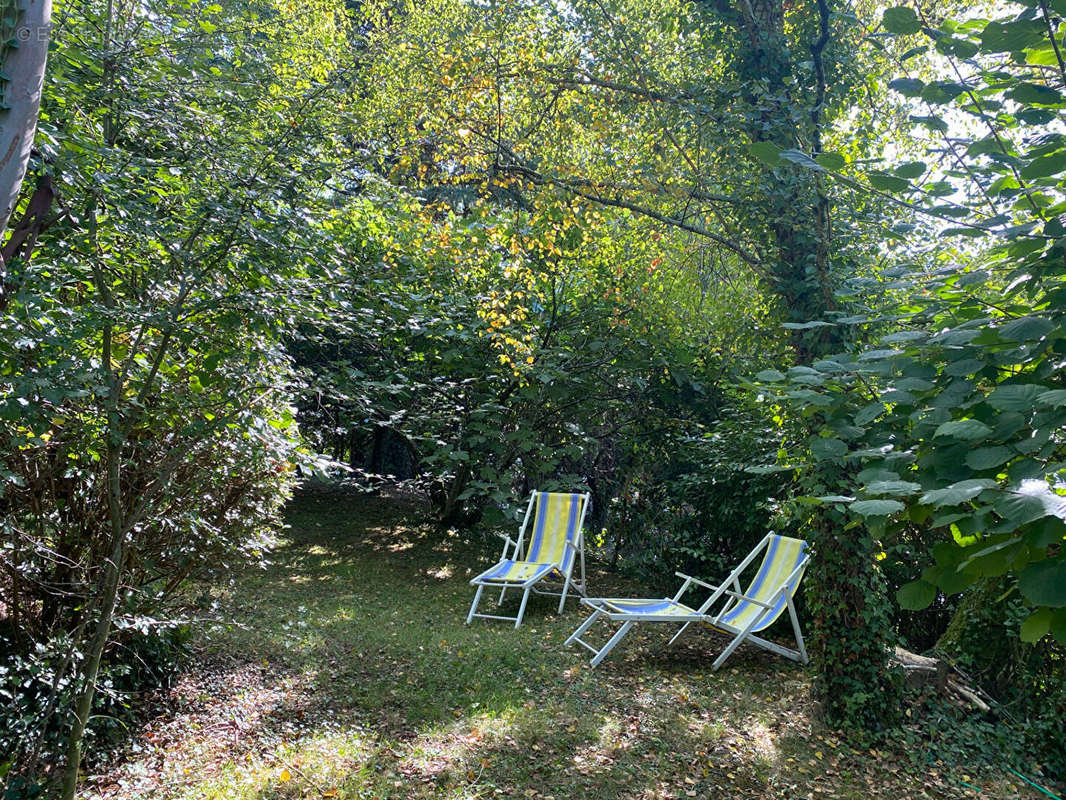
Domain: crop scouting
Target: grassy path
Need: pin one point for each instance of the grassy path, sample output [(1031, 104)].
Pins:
[(350, 674)]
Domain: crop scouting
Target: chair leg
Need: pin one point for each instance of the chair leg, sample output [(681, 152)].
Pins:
[(522, 608), (503, 591), (584, 626), (733, 645), (562, 600), (607, 648), (473, 606), (676, 635), (797, 631)]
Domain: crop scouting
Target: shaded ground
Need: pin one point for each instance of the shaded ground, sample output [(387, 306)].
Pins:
[(349, 674)]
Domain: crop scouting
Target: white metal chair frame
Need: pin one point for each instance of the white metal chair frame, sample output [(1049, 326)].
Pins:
[(606, 607), (578, 586)]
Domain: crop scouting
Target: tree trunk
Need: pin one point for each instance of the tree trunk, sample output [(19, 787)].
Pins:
[(111, 572), (794, 202), (22, 96)]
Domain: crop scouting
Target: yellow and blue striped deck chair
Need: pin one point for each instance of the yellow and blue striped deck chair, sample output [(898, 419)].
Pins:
[(742, 613), (555, 543)]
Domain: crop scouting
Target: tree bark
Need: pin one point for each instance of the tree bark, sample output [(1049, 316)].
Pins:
[(25, 65)]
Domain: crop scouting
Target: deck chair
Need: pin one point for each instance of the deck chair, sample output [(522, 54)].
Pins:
[(554, 545), (740, 615)]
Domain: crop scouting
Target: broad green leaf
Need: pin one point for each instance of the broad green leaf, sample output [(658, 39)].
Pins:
[(767, 152), (1045, 532), (1036, 625), (1021, 507), (1026, 329), (941, 92), (770, 376), (988, 457), (933, 123), (893, 488), (967, 429), (1044, 583), (836, 498), (916, 595), (876, 508), (1035, 94), (900, 20), (1058, 625), (832, 161), (1014, 397), (1007, 37), (869, 413), (911, 169), (956, 493), (1045, 166), (887, 183), (827, 448), (802, 159), (1055, 397), (908, 87)]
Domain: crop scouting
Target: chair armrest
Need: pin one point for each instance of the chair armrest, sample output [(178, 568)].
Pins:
[(747, 599), (704, 584)]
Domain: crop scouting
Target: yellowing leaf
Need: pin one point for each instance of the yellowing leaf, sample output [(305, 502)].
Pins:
[(285, 776)]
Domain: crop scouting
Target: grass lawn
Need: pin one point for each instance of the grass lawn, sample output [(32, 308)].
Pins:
[(348, 672)]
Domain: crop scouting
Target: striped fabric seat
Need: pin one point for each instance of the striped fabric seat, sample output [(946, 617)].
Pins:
[(634, 606), (553, 544), (741, 614), (785, 560), (508, 571)]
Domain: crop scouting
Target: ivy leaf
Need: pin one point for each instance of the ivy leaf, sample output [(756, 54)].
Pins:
[(916, 595)]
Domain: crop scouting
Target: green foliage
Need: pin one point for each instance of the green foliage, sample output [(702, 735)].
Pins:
[(146, 429), (951, 423)]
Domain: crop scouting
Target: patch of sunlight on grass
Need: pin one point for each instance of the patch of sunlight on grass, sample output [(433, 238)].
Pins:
[(440, 573), (319, 765)]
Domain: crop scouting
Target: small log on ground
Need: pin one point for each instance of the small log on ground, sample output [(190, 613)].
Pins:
[(920, 671)]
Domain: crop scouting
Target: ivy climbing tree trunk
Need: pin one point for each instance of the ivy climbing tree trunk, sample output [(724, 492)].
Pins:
[(847, 593), (792, 200)]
